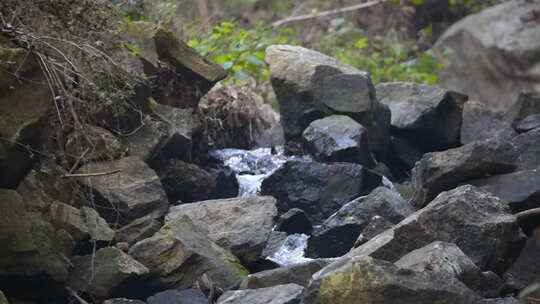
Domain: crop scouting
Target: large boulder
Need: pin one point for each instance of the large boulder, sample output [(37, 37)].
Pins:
[(480, 123), (441, 171), (527, 104), (91, 144), (241, 225), (123, 301), (294, 221), (480, 224), (129, 186), (426, 115), (172, 296), (493, 53), (528, 123), (526, 270), (280, 294), (318, 189), (520, 189), (376, 226), (102, 274), (448, 258), (338, 138), (528, 146), (310, 85), (362, 279), (137, 230), (338, 233), (179, 254)]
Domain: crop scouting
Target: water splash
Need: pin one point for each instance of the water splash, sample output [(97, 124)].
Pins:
[(292, 251)]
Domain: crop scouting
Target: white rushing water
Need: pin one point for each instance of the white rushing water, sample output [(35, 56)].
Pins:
[(292, 251)]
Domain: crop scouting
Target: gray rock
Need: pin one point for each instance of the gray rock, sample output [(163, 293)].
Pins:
[(100, 143), (527, 104), (138, 230), (426, 115), (179, 254), (294, 221), (520, 189), (501, 301), (241, 225), (362, 279), (448, 258), (441, 171), (480, 224), (528, 123), (188, 296), (376, 225), (480, 123), (528, 146), (123, 301), (318, 189), (493, 53), (526, 270), (275, 240), (100, 274), (134, 191), (338, 138), (280, 294), (298, 274), (338, 233), (80, 223)]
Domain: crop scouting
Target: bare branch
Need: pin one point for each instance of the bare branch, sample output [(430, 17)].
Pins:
[(527, 213), (351, 8)]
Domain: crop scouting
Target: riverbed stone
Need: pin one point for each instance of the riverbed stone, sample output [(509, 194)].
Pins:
[(280, 294), (173, 296), (480, 123)]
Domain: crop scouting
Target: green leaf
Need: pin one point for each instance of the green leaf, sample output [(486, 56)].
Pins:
[(227, 65), (361, 43), (254, 60), (241, 76)]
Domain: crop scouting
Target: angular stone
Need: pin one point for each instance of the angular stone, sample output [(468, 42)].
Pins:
[(338, 233), (362, 279), (528, 103), (376, 225), (480, 224), (501, 301), (441, 171), (294, 221), (481, 123), (138, 230), (528, 147), (188, 296), (280, 294), (528, 123), (133, 192), (179, 254), (123, 301), (100, 274), (338, 138), (427, 115), (520, 189), (318, 189), (526, 270), (241, 225), (80, 223), (448, 258), (298, 274), (93, 143)]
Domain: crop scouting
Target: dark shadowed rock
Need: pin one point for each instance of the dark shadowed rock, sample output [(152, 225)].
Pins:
[(527, 104), (376, 225), (338, 233), (179, 254), (427, 115), (501, 301), (298, 274), (281, 294), (528, 123), (318, 189), (441, 171), (528, 146), (133, 192), (362, 279), (241, 225), (479, 223), (520, 189), (338, 138), (123, 301), (188, 296), (448, 258), (294, 221), (526, 270), (404, 152), (101, 274), (480, 122), (100, 143)]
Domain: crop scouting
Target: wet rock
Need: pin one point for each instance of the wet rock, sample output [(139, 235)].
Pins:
[(179, 254), (426, 115), (294, 221), (376, 225), (134, 191), (310, 85), (138, 230), (448, 258), (338, 233), (298, 274), (123, 301), (520, 189), (350, 280), (275, 241), (528, 146), (241, 225), (441, 171), (338, 138), (527, 104), (92, 143), (481, 123), (318, 189), (102, 273), (188, 296), (491, 54), (280, 294), (479, 223), (528, 123), (80, 223), (526, 270), (183, 181)]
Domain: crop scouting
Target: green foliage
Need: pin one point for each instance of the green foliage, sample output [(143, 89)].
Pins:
[(240, 51)]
